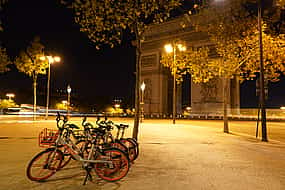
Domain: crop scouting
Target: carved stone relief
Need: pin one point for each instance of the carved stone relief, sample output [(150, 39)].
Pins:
[(209, 91), (149, 60)]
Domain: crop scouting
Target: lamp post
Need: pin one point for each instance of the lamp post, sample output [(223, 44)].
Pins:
[(68, 99), (142, 101), (172, 48), (50, 61), (262, 89)]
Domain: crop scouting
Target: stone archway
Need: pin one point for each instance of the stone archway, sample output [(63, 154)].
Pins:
[(205, 98)]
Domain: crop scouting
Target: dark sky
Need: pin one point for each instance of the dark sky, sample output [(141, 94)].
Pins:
[(96, 77), (92, 74)]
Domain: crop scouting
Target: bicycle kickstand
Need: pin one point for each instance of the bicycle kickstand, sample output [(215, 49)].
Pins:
[(88, 176)]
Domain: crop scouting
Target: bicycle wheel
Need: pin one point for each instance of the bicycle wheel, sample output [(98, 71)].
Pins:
[(44, 164), (115, 171), (119, 145), (136, 146), (131, 146)]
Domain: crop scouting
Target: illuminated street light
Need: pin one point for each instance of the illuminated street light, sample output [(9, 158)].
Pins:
[(168, 48), (117, 106), (68, 99), (10, 96), (142, 101), (172, 48), (50, 61), (64, 102)]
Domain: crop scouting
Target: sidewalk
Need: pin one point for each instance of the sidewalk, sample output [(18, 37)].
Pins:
[(173, 157)]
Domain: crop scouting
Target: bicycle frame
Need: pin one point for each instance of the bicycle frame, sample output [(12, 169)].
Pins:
[(75, 151)]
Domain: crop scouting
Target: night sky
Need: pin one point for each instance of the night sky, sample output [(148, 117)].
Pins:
[(96, 77)]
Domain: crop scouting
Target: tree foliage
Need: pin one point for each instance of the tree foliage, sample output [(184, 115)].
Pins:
[(273, 54), (4, 60), (29, 61), (233, 28), (105, 21), (5, 103), (192, 61)]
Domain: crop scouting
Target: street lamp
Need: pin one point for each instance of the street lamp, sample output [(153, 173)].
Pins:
[(50, 61), (142, 101), (10, 96), (172, 48), (68, 99)]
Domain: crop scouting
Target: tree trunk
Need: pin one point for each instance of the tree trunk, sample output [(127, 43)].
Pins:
[(225, 94), (35, 96), (137, 89)]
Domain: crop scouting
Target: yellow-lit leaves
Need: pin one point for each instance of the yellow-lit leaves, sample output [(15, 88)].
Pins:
[(4, 60), (102, 19), (29, 61), (193, 61)]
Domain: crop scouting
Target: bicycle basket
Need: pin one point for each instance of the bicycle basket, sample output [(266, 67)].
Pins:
[(47, 137)]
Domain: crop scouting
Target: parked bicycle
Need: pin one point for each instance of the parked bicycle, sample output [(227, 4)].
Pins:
[(110, 164)]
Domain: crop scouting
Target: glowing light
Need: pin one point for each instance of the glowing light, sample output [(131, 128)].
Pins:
[(143, 86), (51, 59), (68, 89), (181, 47), (168, 48), (56, 59), (10, 95)]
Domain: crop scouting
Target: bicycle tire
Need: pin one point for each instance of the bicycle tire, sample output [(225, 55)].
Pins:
[(119, 145), (137, 147), (131, 146), (119, 168), (44, 166)]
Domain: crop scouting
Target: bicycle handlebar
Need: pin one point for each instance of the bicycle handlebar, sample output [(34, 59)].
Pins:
[(58, 119)]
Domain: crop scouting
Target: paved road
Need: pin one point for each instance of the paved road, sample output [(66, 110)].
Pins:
[(192, 155)]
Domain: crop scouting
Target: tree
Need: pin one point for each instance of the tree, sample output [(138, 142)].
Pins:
[(232, 26), (30, 63), (106, 21), (4, 60), (274, 54), (192, 61), (5, 103)]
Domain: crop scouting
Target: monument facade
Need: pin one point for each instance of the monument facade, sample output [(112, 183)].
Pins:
[(205, 97)]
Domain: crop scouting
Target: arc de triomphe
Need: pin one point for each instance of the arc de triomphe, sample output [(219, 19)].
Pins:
[(205, 98)]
